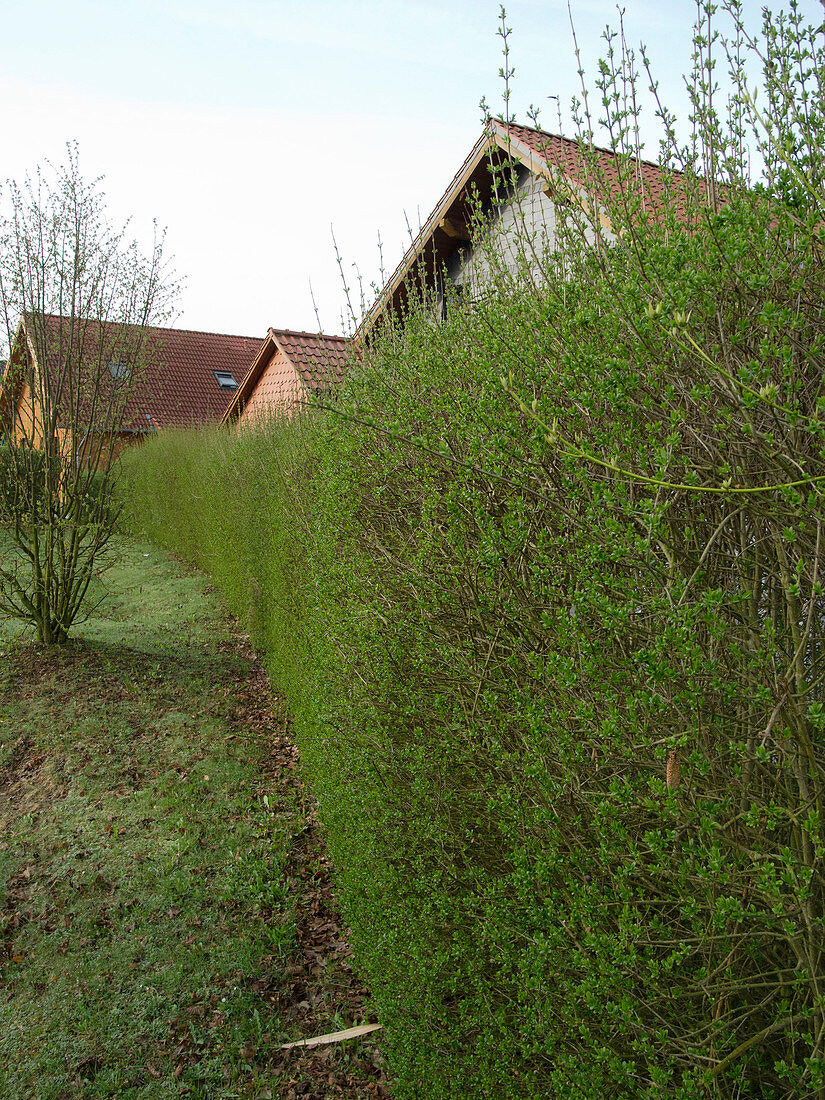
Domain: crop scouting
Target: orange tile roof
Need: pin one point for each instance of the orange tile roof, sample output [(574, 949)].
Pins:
[(182, 387), (177, 386), (320, 360), (568, 156)]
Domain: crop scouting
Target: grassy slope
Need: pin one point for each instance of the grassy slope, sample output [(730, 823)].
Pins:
[(149, 928)]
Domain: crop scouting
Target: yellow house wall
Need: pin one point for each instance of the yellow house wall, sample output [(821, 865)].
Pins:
[(100, 447), (25, 423), (26, 426)]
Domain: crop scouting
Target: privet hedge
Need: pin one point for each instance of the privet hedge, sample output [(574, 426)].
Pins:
[(543, 591)]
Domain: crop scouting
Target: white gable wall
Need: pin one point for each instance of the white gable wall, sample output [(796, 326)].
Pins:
[(521, 234), (522, 229)]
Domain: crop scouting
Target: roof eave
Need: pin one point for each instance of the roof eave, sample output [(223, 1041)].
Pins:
[(495, 134), (250, 379), (479, 150), (512, 145)]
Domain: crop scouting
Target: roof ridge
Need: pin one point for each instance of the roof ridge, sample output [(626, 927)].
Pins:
[(157, 328), (578, 143), (313, 335), (202, 332)]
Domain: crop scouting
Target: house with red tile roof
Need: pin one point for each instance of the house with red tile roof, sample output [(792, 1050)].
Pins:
[(289, 369), (512, 183), (128, 380)]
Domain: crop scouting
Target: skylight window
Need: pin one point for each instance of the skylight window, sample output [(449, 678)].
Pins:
[(226, 381), (119, 370)]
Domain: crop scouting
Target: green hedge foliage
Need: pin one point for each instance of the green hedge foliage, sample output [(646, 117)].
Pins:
[(544, 593), (562, 711)]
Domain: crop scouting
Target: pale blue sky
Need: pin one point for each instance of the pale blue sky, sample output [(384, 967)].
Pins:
[(248, 129)]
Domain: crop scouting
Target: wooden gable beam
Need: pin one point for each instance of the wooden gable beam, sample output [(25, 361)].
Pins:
[(455, 229)]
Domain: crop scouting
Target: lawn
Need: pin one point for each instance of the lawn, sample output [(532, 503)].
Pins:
[(166, 918)]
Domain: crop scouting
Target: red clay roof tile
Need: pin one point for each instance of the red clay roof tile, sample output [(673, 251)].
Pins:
[(177, 386), (319, 359), (567, 155)]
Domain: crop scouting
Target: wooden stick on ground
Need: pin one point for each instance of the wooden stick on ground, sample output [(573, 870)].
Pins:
[(334, 1036)]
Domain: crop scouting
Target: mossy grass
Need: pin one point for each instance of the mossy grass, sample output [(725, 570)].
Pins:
[(141, 889)]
